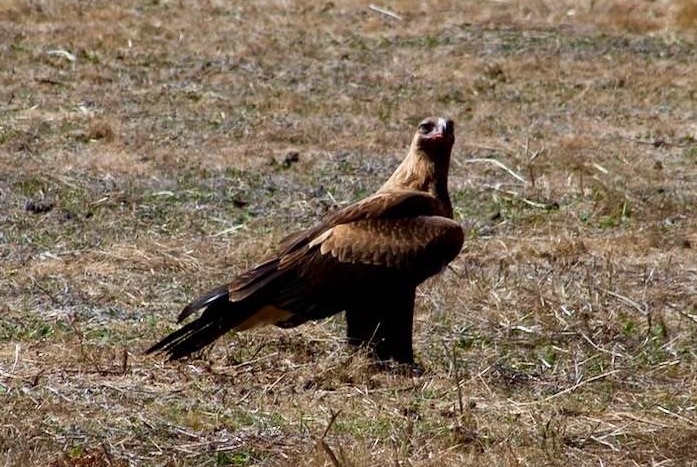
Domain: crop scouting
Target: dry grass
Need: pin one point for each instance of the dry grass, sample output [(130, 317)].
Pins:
[(144, 157)]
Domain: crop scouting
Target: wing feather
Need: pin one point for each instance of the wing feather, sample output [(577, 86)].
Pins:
[(422, 243), (382, 205)]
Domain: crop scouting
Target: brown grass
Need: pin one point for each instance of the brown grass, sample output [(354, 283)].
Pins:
[(150, 166)]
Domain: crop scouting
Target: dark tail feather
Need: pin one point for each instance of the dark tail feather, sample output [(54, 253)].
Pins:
[(212, 296), (250, 293), (220, 316)]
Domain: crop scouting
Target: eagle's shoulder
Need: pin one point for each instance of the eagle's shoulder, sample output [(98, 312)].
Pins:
[(381, 205)]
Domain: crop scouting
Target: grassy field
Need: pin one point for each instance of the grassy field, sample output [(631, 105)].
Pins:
[(151, 150)]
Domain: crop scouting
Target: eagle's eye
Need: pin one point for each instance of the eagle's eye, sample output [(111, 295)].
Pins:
[(426, 127)]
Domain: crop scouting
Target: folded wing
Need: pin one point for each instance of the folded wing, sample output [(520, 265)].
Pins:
[(386, 242)]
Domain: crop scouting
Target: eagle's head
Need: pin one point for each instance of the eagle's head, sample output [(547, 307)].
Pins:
[(435, 135)]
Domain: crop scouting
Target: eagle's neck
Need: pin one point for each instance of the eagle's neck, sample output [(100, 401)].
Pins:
[(423, 172)]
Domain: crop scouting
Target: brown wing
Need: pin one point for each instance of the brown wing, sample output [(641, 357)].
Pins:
[(424, 243), (382, 205), (347, 263), (295, 248)]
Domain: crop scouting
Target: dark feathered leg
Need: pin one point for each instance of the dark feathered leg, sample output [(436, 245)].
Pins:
[(385, 326), (397, 329), (397, 343), (363, 327)]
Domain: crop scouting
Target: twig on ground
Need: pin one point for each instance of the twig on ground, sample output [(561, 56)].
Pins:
[(600, 168), (385, 12), (330, 453), (53, 298), (647, 422), (628, 301), (580, 384), (571, 388), (676, 415), (63, 53), (234, 228), (659, 142), (327, 449), (332, 419), (515, 195), (124, 361), (14, 364), (599, 348)]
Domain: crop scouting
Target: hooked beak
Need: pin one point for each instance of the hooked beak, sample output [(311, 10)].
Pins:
[(444, 130), (446, 126)]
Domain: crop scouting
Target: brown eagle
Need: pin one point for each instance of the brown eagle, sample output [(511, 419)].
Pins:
[(366, 259)]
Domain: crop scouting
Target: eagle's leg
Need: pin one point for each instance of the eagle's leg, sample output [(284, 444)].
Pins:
[(385, 327), (363, 327), (397, 340)]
